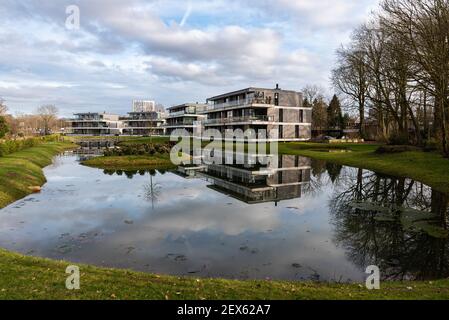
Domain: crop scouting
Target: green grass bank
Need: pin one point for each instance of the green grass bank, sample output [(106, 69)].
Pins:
[(23, 277), (21, 170), (427, 167), (158, 161)]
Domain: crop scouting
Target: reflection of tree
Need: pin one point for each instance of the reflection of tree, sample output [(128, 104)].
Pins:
[(334, 171), (152, 189), (319, 178), (375, 235)]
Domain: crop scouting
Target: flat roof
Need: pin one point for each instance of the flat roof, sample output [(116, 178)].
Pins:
[(141, 112), (247, 90), (95, 113)]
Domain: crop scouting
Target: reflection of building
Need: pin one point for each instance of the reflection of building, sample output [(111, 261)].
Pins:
[(273, 110), (95, 124), (143, 123), (144, 106), (184, 117), (282, 179)]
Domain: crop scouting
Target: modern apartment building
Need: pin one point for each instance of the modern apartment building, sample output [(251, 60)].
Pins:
[(95, 124), (144, 123), (279, 112), (184, 116)]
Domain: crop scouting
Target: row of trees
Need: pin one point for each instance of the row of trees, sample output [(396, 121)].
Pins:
[(42, 122), (396, 68)]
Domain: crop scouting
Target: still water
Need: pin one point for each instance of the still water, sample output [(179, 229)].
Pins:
[(303, 220)]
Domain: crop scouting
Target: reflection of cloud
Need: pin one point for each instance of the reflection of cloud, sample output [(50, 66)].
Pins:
[(193, 216), (227, 236)]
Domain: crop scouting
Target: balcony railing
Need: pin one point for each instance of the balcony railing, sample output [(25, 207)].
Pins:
[(187, 110), (240, 119), (236, 103), (180, 123)]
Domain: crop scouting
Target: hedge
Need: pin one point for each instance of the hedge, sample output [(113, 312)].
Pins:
[(11, 146)]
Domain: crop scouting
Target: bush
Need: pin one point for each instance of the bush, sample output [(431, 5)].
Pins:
[(138, 150), (11, 146), (431, 145), (398, 139)]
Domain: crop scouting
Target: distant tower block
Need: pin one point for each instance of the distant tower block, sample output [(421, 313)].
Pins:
[(144, 106)]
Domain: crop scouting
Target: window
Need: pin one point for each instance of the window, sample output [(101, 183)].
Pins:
[(297, 132), (301, 116), (281, 115), (281, 132)]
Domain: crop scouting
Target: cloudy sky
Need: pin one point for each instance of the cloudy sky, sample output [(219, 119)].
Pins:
[(169, 51)]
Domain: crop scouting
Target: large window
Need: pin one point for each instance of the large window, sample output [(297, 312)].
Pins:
[(281, 115)]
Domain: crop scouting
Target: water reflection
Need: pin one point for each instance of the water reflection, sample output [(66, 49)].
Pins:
[(281, 179), (397, 224), (291, 218)]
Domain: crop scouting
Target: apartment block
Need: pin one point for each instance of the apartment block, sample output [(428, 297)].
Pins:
[(184, 116), (144, 123), (279, 112), (95, 124)]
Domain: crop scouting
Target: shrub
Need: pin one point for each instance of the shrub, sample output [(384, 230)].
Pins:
[(431, 145), (138, 149), (4, 127), (398, 139), (11, 146), (395, 149)]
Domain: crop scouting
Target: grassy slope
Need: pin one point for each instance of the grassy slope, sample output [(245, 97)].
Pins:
[(23, 169), (36, 278), (429, 168), (130, 162)]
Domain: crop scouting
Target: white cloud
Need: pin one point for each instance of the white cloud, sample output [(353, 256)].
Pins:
[(157, 48)]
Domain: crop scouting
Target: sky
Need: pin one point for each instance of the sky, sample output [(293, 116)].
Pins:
[(168, 51)]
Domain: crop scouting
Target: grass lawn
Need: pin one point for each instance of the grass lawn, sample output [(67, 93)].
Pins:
[(21, 170), (157, 161), (23, 277), (427, 167)]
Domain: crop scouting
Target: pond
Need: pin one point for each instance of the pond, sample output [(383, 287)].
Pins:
[(303, 220)]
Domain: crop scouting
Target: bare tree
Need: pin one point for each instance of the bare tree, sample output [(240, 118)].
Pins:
[(351, 79), (313, 92), (424, 29), (3, 107), (47, 115)]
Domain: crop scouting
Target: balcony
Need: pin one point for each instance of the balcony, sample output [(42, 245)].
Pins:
[(250, 119), (180, 123), (237, 103), (186, 111)]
